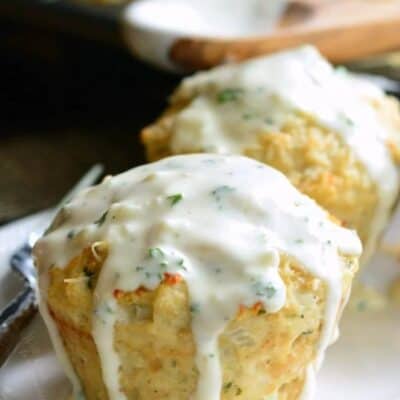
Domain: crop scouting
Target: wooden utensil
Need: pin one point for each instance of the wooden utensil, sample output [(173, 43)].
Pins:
[(343, 30)]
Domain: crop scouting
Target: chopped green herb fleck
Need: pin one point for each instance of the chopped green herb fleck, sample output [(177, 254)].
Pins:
[(101, 220), (229, 94), (309, 332), (239, 391), (156, 252), (329, 242), (362, 306), (139, 268), (175, 198), (262, 290), (261, 311), (148, 275), (194, 308), (247, 116), (348, 121), (299, 241), (220, 191), (211, 355), (227, 386), (269, 120), (181, 264), (173, 363), (70, 234)]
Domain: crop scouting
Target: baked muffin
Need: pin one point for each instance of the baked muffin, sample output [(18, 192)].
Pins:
[(333, 135), (200, 277)]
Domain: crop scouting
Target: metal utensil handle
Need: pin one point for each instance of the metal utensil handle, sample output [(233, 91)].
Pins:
[(19, 311), (14, 318)]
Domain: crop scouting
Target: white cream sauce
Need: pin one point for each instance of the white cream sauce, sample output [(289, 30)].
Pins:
[(231, 104), (221, 223)]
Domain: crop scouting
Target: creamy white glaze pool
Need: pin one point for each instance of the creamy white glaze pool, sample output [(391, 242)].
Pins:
[(218, 221), (232, 103)]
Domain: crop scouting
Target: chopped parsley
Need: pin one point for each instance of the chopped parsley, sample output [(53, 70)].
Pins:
[(219, 194), (181, 264), (194, 308), (362, 306), (228, 95), (101, 220), (264, 290), (348, 121), (70, 234), (299, 241), (156, 252), (221, 191), (246, 116), (101, 311), (175, 198), (227, 386), (238, 391)]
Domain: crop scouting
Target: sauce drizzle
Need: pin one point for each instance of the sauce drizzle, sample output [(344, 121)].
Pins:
[(218, 222)]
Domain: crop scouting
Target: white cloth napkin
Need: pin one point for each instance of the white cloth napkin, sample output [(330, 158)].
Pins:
[(12, 236), (31, 372)]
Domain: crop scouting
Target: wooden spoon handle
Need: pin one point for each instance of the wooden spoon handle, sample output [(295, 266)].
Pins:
[(343, 30)]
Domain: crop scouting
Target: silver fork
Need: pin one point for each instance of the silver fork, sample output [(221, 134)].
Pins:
[(19, 311)]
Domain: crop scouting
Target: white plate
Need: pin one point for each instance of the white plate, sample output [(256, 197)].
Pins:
[(363, 365)]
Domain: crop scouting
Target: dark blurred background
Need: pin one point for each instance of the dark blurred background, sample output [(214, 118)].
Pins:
[(67, 102), (72, 95)]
